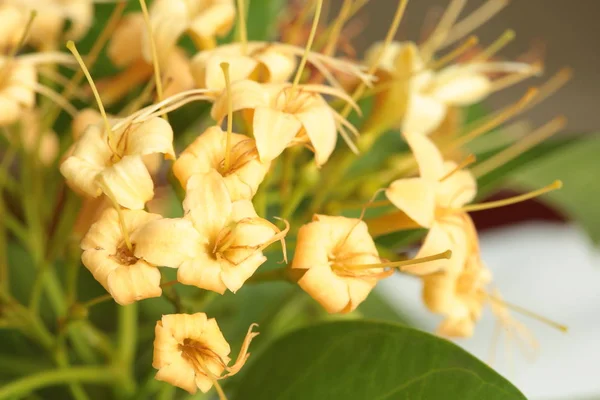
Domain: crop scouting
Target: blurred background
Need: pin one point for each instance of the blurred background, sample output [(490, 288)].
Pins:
[(540, 263)]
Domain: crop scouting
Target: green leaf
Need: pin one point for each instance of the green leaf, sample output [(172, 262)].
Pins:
[(356, 360), (576, 165), (262, 18)]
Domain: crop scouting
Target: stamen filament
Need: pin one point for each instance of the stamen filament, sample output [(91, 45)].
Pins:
[(360, 90), (552, 85), (465, 163), (227, 162), (474, 20), (494, 121), (440, 33), (454, 54), (73, 49), (523, 311), (309, 43), (504, 39), (520, 147), (155, 63), (399, 264), (513, 200), (516, 77), (241, 29), (336, 29), (212, 377)]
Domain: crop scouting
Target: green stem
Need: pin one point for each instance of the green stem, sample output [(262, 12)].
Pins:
[(126, 346), (22, 387)]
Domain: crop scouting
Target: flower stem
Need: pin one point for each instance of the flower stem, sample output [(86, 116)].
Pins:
[(126, 345), (30, 383)]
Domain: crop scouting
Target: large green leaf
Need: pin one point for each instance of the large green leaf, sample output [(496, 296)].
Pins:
[(356, 360), (577, 166)]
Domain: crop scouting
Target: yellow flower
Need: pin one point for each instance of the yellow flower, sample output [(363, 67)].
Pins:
[(112, 162), (202, 19), (232, 236), (327, 248), (51, 18), (17, 82), (190, 352), (282, 115), (124, 272), (12, 21), (245, 172), (262, 62), (433, 200)]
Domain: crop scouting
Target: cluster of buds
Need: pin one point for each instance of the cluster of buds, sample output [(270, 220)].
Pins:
[(283, 99)]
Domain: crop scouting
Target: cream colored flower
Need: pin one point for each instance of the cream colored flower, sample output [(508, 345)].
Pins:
[(52, 17), (282, 116), (112, 162), (431, 93), (262, 62), (125, 51), (245, 172), (190, 352), (327, 248), (17, 82), (433, 200), (12, 22), (232, 236), (202, 19), (460, 297), (123, 271)]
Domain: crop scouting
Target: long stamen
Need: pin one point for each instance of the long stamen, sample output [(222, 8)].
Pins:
[(494, 121), (504, 39), (465, 163), (440, 33), (56, 97), (211, 376), (227, 162), (242, 31), (400, 264), (454, 54), (513, 200), (73, 49), (523, 311), (552, 85), (474, 20), (333, 37), (360, 90), (309, 43), (520, 147), (157, 78), (516, 77)]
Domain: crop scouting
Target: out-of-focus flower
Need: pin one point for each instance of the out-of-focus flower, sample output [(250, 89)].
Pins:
[(125, 51), (120, 266), (112, 162), (430, 93), (327, 248), (202, 19), (232, 236), (190, 352), (17, 82), (52, 17), (244, 173), (283, 115)]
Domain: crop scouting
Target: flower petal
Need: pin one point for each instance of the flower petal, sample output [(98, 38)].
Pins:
[(415, 197), (458, 189), (428, 156), (128, 284), (203, 272), (458, 86), (234, 276), (166, 242), (154, 135), (130, 182), (245, 95), (180, 373), (423, 115), (273, 131), (320, 127)]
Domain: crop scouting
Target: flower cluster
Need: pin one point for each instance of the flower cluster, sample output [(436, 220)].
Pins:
[(276, 110)]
